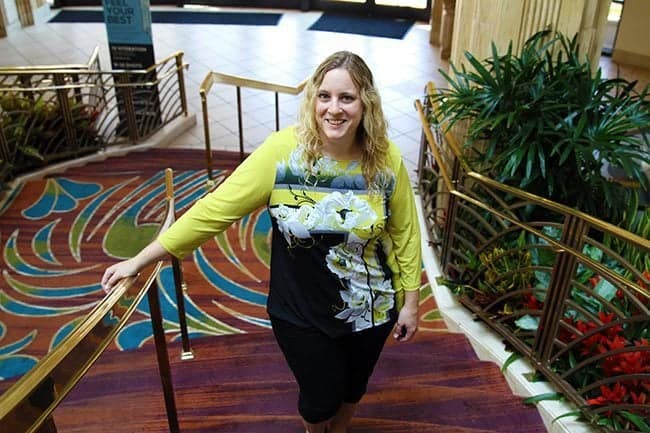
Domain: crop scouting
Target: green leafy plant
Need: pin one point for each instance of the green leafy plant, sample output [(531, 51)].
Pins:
[(34, 129), (548, 125)]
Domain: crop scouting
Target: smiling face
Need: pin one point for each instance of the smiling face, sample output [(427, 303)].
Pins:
[(339, 111)]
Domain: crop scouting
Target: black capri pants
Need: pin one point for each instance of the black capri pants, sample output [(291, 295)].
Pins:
[(329, 371)]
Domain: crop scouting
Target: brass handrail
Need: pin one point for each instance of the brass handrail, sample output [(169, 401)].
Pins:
[(152, 83), (74, 68), (94, 57), (53, 378), (564, 209), (27, 406), (234, 80)]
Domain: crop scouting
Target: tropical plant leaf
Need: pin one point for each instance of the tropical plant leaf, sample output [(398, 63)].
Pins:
[(554, 396), (575, 413), (638, 421), (550, 124), (528, 322), (514, 356), (605, 289)]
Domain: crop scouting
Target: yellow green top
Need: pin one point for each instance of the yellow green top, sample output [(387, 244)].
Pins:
[(340, 254)]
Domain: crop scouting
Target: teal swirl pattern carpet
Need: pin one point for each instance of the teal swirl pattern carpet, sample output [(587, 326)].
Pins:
[(58, 234)]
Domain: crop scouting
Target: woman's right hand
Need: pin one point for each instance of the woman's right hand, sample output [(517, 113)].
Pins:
[(114, 273), (149, 254)]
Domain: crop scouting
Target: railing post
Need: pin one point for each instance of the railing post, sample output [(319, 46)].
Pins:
[(179, 284), (77, 90), (66, 113), (450, 220), (277, 112), (240, 125), (181, 287), (181, 82), (423, 141), (125, 97), (206, 136), (559, 287), (4, 146), (163, 358)]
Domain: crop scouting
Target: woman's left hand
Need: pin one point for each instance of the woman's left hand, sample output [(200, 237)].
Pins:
[(407, 323)]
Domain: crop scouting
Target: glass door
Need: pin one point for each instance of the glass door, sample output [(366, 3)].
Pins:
[(406, 9), (611, 28)]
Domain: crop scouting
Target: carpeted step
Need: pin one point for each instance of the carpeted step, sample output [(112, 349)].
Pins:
[(145, 162), (240, 383)]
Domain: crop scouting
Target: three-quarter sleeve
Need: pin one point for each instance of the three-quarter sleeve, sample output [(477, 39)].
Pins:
[(245, 190), (404, 231)]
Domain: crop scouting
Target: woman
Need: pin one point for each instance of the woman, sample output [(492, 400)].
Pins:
[(345, 258)]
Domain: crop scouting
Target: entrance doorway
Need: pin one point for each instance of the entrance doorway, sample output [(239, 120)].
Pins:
[(406, 9)]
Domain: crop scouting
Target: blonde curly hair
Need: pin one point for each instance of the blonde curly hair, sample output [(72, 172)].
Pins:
[(372, 131)]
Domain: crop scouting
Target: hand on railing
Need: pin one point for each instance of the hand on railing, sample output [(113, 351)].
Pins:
[(117, 272), (127, 268)]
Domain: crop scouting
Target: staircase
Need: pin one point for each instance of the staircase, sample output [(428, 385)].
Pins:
[(240, 384)]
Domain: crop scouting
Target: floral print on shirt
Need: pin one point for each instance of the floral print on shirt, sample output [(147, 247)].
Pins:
[(332, 198)]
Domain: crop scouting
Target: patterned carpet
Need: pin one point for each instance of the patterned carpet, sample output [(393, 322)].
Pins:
[(58, 234)]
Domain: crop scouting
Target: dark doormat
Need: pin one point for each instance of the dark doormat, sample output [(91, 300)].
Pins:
[(358, 25), (177, 17)]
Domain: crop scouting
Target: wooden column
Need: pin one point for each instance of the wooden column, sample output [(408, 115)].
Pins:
[(447, 28), (479, 22), (3, 20), (436, 22), (25, 13)]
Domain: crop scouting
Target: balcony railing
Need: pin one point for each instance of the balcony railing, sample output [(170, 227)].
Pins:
[(55, 113), (567, 291)]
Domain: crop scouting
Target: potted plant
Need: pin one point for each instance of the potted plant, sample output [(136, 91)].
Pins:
[(550, 126)]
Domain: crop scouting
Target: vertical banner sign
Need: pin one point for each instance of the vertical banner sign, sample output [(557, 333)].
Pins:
[(128, 27)]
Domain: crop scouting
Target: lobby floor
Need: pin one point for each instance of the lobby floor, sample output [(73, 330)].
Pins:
[(282, 54)]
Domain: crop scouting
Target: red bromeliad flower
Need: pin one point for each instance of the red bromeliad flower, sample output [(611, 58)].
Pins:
[(531, 302), (626, 363), (564, 335), (640, 398), (608, 396), (612, 331), (598, 342), (645, 285), (646, 276), (630, 391)]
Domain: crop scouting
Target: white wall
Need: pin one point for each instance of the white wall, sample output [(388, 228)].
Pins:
[(11, 14), (633, 41)]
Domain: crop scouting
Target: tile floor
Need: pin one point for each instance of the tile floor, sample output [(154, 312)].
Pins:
[(283, 54)]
